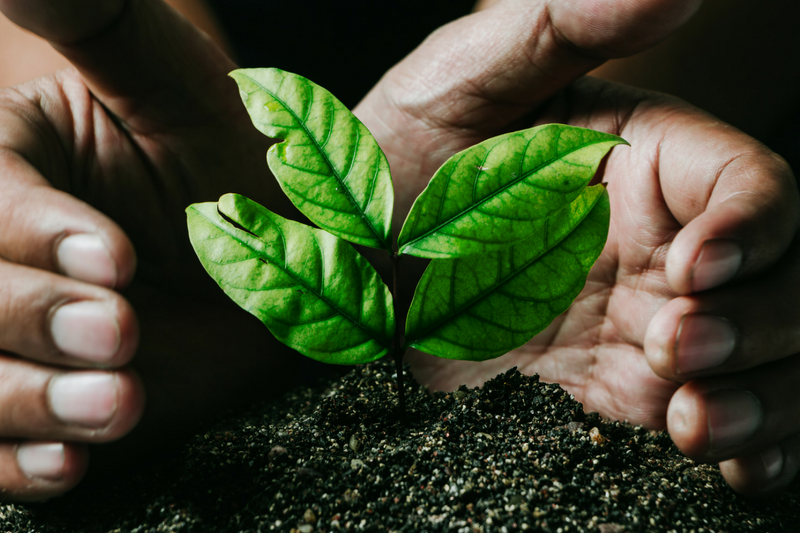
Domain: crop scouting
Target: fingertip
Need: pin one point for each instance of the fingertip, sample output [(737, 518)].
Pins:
[(765, 472), (718, 262), (746, 223), (130, 406), (102, 332), (106, 258), (44, 469), (686, 422), (632, 26), (699, 265), (753, 474), (94, 406), (128, 332), (661, 335)]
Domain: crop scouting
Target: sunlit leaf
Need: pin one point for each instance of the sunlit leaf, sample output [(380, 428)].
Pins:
[(496, 193), (481, 306), (330, 166), (312, 290)]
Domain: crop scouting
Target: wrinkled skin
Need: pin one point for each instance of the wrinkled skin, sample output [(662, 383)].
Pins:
[(147, 123)]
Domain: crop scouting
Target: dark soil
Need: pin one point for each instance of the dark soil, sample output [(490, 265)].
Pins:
[(514, 455)]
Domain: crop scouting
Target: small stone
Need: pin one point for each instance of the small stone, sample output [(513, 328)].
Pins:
[(355, 443), (351, 496), (307, 472), (310, 517), (275, 452), (610, 528), (575, 426), (596, 437)]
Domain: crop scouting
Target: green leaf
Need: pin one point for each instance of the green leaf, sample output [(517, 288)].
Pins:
[(330, 165), (482, 306), (312, 290), (496, 193)]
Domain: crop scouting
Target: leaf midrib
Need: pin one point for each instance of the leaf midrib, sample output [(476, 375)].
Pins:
[(285, 269), (325, 157), (480, 203), (472, 303)]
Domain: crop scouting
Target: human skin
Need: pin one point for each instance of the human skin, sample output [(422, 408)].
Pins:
[(24, 56), (148, 123), (701, 246), (720, 62)]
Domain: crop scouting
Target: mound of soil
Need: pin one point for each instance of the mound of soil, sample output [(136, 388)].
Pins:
[(514, 455)]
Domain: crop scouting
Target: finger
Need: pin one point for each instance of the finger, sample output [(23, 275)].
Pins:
[(52, 230), (713, 333), (476, 76), (738, 203), (56, 320), (38, 470), (737, 415), (515, 55), (140, 58), (44, 403), (765, 472)]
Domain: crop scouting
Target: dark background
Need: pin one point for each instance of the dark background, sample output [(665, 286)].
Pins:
[(343, 46)]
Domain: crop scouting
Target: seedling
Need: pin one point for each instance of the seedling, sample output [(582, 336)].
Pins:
[(510, 224)]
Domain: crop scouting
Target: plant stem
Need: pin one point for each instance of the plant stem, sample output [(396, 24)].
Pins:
[(397, 345)]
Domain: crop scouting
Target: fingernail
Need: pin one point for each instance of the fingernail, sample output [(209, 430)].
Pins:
[(703, 341), (86, 330), (733, 417), (85, 257), (772, 459), (719, 261), (43, 460), (84, 398)]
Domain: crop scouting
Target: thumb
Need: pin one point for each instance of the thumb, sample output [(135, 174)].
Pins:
[(515, 55), (145, 62)]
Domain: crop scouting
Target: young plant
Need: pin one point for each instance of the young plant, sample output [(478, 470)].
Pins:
[(510, 224)]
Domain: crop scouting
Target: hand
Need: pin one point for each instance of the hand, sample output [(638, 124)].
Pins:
[(96, 162), (687, 320), (115, 150)]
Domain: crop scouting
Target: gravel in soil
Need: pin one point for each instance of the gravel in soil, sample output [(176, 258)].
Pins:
[(514, 455)]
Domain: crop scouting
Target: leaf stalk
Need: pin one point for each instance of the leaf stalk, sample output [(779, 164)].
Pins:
[(398, 350)]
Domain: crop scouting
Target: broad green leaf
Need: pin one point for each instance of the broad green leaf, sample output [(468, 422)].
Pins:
[(482, 306), (330, 165), (312, 290), (496, 193)]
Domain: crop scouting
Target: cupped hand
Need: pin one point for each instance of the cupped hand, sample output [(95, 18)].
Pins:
[(101, 160), (688, 319), (97, 165)]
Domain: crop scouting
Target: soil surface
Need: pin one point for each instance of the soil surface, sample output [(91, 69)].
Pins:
[(514, 455)]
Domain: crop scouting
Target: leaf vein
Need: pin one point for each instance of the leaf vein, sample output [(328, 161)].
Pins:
[(327, 160)]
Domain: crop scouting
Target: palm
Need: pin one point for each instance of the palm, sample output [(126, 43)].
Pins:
[(595, 349)]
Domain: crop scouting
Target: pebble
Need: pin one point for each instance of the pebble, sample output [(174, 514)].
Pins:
[(275, 451)]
